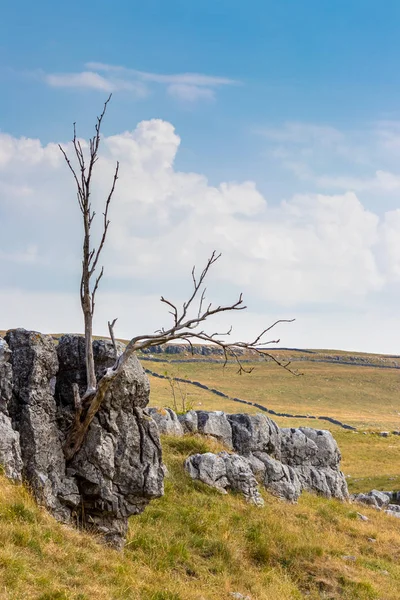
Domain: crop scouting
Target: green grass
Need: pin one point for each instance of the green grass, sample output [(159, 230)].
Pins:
[(194, 544)]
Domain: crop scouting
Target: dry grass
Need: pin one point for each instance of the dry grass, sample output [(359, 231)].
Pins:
[(361, 396), (194, 544), (364, 397)]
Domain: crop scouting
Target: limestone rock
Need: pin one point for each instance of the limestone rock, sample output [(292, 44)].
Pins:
[(281, 480), (34, 365), (189, 421), (374, 498), (215, 424), (306, 446), (325, 481), (167, 421), (119, 467), (224, 471), (10, 451), (255, 433)]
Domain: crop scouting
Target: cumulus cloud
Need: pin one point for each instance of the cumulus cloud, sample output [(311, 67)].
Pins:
[(186, 87), (311, 252)]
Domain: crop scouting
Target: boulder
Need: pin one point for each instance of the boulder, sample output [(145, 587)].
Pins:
[(189, 421), (215, 424), (34, 415), (255, 433), (373, 498), (306, 446), (118, 468), (10, 451), (223, 471), (167, 421)]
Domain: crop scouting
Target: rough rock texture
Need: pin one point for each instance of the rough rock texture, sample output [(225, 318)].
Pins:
[(167, 421), (255, 433), (189, 421), (281, 480), (286, 461), (216, 425), (33, 411), (223, 471), (326, 481), (306, 446), (373, 498), (118, 469), (10, 452)]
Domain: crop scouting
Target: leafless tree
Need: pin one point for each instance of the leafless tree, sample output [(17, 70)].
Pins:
[(187, 320), (83, 179)]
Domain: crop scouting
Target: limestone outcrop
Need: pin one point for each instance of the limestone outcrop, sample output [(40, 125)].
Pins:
[(118, 469), (285, 461), (223, 471)]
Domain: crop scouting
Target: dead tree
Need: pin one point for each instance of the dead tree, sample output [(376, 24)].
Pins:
[(83, 179), (187, 320)]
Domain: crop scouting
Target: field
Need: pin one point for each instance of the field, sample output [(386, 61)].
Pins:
[(362, 396), (194, 544)]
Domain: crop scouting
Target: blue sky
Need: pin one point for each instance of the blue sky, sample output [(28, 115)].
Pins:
[(288, 115)]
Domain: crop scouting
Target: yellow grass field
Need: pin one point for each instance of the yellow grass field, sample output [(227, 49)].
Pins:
[(365, 397)]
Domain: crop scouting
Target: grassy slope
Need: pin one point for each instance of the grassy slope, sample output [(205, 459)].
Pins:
[(193, 544)]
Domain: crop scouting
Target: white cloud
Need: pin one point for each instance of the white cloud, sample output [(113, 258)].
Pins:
[(190, 93), (330, 159), (187, 87), (306, 255)]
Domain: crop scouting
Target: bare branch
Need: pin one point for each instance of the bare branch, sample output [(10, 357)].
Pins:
[(111, 330)]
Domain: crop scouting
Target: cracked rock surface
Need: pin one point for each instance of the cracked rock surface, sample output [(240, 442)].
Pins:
[(285, 461), (118, 469)]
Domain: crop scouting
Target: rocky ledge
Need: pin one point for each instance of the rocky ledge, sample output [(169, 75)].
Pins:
[(117, 471), (284, 460)]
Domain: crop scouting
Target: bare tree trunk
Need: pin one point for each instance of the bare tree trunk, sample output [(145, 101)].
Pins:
[(83, 179)]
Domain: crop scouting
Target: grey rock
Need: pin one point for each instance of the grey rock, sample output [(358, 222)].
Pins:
[(10, 451), (223, 471), (166, 420), (374, 498), (384, 434), (119, 467), (324, 481), (215, 424), (279, 479), (306, 446), (362, 517), (238, 596), (209, 468), (393, 513), (255, 433), (189, 421), (34, 365), (394, 507)]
